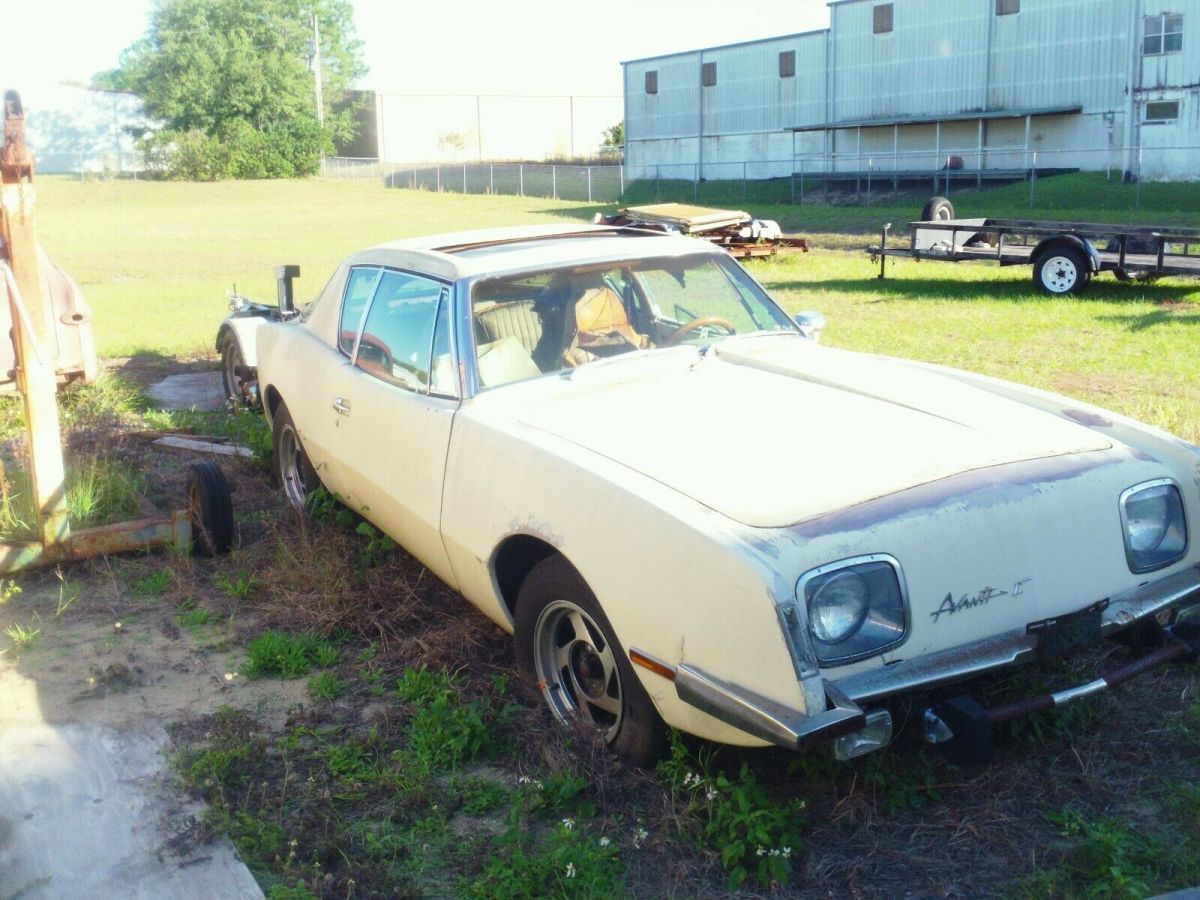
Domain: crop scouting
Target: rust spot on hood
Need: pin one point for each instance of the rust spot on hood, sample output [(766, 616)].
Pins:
[(956, 488)]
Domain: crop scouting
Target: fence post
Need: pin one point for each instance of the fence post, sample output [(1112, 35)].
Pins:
[(870, 172), (464, 178), (439, 177), (554, 182), (491, 178), (792, 181), (658, 182), (521, 180), (744, 186), (1033, 181), (621, 180), (1137, 187), (589, 171), (414, 183), (802, 182)]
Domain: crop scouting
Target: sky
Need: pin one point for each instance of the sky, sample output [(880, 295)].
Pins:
[(538, 47)]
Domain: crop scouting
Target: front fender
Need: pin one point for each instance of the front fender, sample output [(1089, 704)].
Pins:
[(1070, 240)]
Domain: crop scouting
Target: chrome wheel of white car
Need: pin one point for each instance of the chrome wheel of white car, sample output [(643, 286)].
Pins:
[(236, 391), (296, 475), (576, 668), (568, 651)]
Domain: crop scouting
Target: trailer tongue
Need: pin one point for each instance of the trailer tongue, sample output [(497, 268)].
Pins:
[(1063, 255)]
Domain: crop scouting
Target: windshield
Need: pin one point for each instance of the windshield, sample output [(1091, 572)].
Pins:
[(533, 324)]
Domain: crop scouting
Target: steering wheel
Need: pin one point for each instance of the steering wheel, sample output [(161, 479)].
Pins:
[(699, 322)]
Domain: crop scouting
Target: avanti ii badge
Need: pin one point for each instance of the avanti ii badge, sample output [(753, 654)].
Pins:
[(950, 606)]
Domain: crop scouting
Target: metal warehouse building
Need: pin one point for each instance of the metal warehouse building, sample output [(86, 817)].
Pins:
[(988, 87)]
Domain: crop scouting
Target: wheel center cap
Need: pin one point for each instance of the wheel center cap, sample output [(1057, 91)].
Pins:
[(588, 669)]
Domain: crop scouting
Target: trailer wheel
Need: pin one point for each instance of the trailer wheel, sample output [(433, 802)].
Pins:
[(938, 209), (210, 508), (1061, 270)]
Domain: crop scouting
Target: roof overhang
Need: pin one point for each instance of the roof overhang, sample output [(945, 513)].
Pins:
[(935, 120)]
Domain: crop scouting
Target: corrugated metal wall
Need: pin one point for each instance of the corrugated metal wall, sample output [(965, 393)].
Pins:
[(939, 59), (934, 62)]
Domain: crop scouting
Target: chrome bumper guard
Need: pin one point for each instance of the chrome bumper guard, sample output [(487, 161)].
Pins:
[(765, 718)]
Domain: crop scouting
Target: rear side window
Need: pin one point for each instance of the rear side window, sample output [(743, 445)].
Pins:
[(397, 343), (360, 287)]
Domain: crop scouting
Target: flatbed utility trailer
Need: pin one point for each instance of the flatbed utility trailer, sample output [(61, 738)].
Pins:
[(1063, 255)]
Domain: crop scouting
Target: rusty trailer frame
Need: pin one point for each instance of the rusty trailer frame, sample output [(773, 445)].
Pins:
[(37, 382)]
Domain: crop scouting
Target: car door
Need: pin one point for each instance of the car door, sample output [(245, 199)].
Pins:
[(396, 405), (317, 420)]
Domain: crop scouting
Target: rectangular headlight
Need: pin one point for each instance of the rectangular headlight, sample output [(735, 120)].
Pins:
[(855, 608), (1154, 525)]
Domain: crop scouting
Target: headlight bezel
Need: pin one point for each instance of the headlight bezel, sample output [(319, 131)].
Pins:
[(1178, 521), (892, 631)]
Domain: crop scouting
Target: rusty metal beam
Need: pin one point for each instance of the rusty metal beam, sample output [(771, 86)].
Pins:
[(141, 534)]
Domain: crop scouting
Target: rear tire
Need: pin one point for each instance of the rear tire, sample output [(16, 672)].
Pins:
[(568, 651), (296, 475), (1059, 271), (938, 209), (210, 508), (231, 361)]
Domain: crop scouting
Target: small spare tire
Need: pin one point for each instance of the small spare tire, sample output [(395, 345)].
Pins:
[(210, 508), (938, 209)]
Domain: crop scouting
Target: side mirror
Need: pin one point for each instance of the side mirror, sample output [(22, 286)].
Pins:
[(811, 324), (283, 286)]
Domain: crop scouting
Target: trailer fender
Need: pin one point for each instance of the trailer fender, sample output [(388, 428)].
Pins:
[(1068, 240)]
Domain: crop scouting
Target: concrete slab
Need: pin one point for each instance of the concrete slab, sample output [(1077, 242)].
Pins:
[(88, 811), (201, 390)]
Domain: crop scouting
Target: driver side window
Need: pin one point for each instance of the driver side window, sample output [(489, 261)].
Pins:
[(397, 342), (360, 287)]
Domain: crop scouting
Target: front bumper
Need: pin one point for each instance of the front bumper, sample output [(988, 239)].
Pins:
[(785, 727)]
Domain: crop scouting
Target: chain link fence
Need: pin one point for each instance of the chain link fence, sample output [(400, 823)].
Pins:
[(600, 183), (861, 177)]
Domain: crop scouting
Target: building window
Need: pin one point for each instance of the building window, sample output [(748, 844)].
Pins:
[(652, 81), (883, 18), (1162, 111), (1007, 7), (787, 64), (1163, 34), (708, 74)]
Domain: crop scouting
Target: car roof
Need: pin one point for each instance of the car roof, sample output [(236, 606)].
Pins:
[(463, 254)]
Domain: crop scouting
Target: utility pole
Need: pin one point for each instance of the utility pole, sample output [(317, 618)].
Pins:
[(316, 26)]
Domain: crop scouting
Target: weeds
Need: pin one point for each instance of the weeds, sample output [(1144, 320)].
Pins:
[(444, 732), (735, 817), (326, 686), (568, 861), (287, 656), (9, 589), (194, 617), (22, 636), (239, 587), (154, 584)]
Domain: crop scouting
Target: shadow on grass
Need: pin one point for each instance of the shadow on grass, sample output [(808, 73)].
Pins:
[(582, 213), (955, 289), (1146, 321), (146, 367)]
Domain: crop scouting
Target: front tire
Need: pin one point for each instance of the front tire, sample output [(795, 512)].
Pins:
[(297, 477), (568, 651), (1061, 270)]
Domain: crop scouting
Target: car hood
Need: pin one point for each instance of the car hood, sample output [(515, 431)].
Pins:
[(770, 431)]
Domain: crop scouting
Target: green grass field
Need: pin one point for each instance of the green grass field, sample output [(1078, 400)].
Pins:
[(154, 260)]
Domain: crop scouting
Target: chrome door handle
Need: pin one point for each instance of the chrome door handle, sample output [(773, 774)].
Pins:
[(341, 406)]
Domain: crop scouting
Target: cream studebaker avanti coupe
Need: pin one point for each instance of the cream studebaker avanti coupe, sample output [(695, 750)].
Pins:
[(690, 513)]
